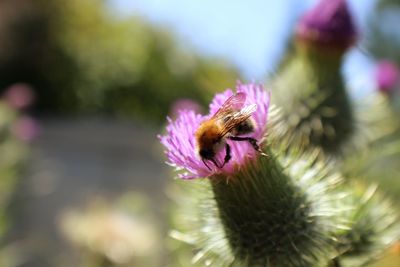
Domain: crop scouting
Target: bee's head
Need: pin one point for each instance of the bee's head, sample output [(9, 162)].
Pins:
[(207, 153)]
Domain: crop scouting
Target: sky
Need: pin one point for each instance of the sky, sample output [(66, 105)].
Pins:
[(250, 34)]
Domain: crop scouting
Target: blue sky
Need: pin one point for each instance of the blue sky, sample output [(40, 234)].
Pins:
[(251, 34)]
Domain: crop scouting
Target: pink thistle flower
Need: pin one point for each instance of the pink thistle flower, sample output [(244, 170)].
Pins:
[(180, 142), (387, 76), (328, 24), (19, 96)]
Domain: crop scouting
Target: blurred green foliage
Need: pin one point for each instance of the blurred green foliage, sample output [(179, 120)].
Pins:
[(383, 3), (12, 158), (383, 36), (81, 58)]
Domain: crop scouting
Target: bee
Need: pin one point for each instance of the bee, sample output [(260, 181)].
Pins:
[(231, 121)]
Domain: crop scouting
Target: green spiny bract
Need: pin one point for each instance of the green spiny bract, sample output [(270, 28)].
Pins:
[(380, 162), (373, 228), (314, 103)]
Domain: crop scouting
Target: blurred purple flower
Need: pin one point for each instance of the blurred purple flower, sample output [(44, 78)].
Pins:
[(184, 104), (25, 128), (180, 141), (387, 76), (19, 95), (328, 24)]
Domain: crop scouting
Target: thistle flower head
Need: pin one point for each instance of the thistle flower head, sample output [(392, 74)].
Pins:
[(181, 145), (387, 76), (329, 24)]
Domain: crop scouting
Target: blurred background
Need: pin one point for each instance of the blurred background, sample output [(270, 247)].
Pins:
[(86, 86)]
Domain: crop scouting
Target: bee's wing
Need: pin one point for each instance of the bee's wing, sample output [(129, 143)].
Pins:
[(234, 119), (232, 104)]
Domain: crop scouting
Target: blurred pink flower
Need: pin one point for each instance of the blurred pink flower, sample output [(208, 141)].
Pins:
[(328, 24), (387, 76), (184, 104), (25, 128), (180, 140), (19, 95)]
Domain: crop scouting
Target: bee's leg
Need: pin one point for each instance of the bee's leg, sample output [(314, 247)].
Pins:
[(252, 141), (208, 167), (227, 154)]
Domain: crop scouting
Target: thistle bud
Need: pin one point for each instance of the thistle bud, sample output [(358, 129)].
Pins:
[(328, 26)]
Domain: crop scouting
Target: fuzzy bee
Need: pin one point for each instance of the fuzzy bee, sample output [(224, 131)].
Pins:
[(231, 121)]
